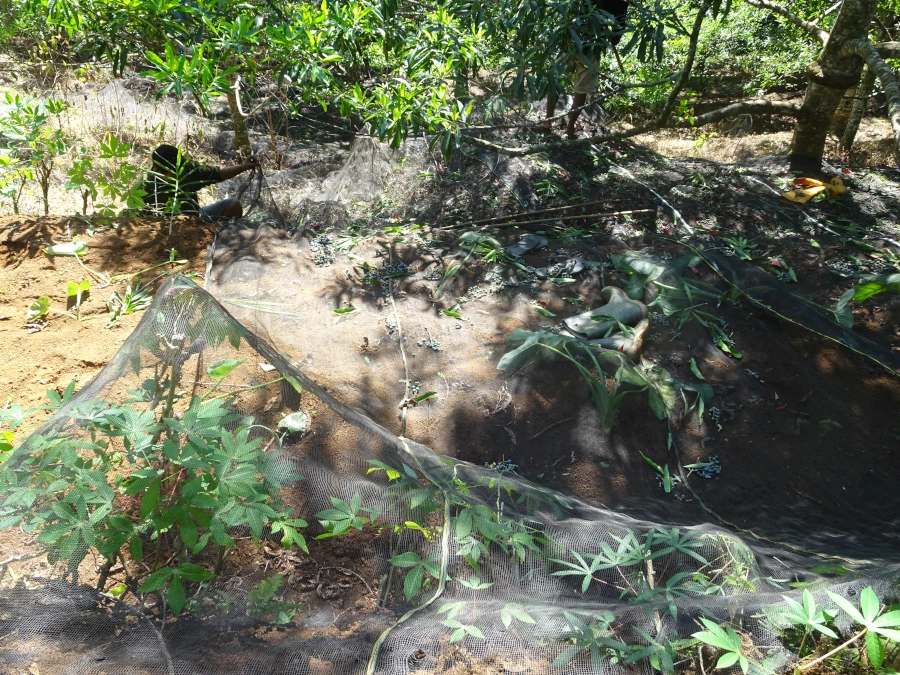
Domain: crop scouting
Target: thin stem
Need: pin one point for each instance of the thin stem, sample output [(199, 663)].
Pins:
[(835, 650), (241, 391)]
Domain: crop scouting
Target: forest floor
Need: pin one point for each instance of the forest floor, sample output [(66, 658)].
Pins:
[(804, 427)]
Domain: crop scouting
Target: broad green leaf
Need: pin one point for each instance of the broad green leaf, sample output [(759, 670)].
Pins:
[(412, 584), (38, 308), (221, 369), (193, 572), (727, 660), (869, 604), (176, 595), (408, 559), (156, 580), (848, 608), (696, 371), (873, 285), (874, 650), (888, 620), (295, 422), (842, 311)]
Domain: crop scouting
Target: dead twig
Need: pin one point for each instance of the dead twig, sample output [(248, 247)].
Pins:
[(552, 426), (345, 571)]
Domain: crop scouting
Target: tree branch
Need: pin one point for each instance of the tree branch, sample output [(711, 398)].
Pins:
[(741, 108), (820, 34), (883, 72), (688, 65), (888, 50)]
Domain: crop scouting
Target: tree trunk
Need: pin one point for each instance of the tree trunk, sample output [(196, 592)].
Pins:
[(843, 112), (241, 137), (829, 77), (859, 109)]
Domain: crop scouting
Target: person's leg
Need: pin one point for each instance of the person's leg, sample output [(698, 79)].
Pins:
[(584, 81), (578, 100), (551, 111), (234, 209), (223, 209)]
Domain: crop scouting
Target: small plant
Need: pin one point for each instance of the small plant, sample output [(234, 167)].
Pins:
[(727, 640), (740, 246), (594, 636), (417, 568), (262, 601), (76, 293), (876, 623), (135, 299), (157, 472), (343, 516)]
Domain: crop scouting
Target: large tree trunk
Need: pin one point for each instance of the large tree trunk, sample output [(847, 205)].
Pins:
[(829, 77)]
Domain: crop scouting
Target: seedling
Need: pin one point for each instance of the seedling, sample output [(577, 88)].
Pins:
[(135, 299), (76, 293)]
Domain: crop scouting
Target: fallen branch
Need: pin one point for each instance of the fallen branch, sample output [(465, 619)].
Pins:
[(543, 221), (869, 53), (523, 214), (745, 108), (813, 29), (740, 108)]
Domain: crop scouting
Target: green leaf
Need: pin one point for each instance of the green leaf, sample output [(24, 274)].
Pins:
[(412, 584), (344, 310), (221, 369), (150, 500), (696, 371), (408, 559), (842, 312), (869, 604), (192, 572), (541, 310), (848, 608), (38, 308), (728, 659), (873, 285), (425, 396), (177, 596), (888, 620), (156, 580), (295, 422), (874, 650)]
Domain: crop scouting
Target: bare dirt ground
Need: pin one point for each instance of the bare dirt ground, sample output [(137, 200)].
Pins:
[(51, 352)]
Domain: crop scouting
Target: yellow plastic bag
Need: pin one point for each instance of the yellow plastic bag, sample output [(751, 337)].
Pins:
[(807, 188)]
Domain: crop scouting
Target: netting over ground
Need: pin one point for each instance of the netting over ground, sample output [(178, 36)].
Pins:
[(200, 451)]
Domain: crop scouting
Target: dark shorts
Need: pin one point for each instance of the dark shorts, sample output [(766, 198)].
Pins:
[(215, 212)]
